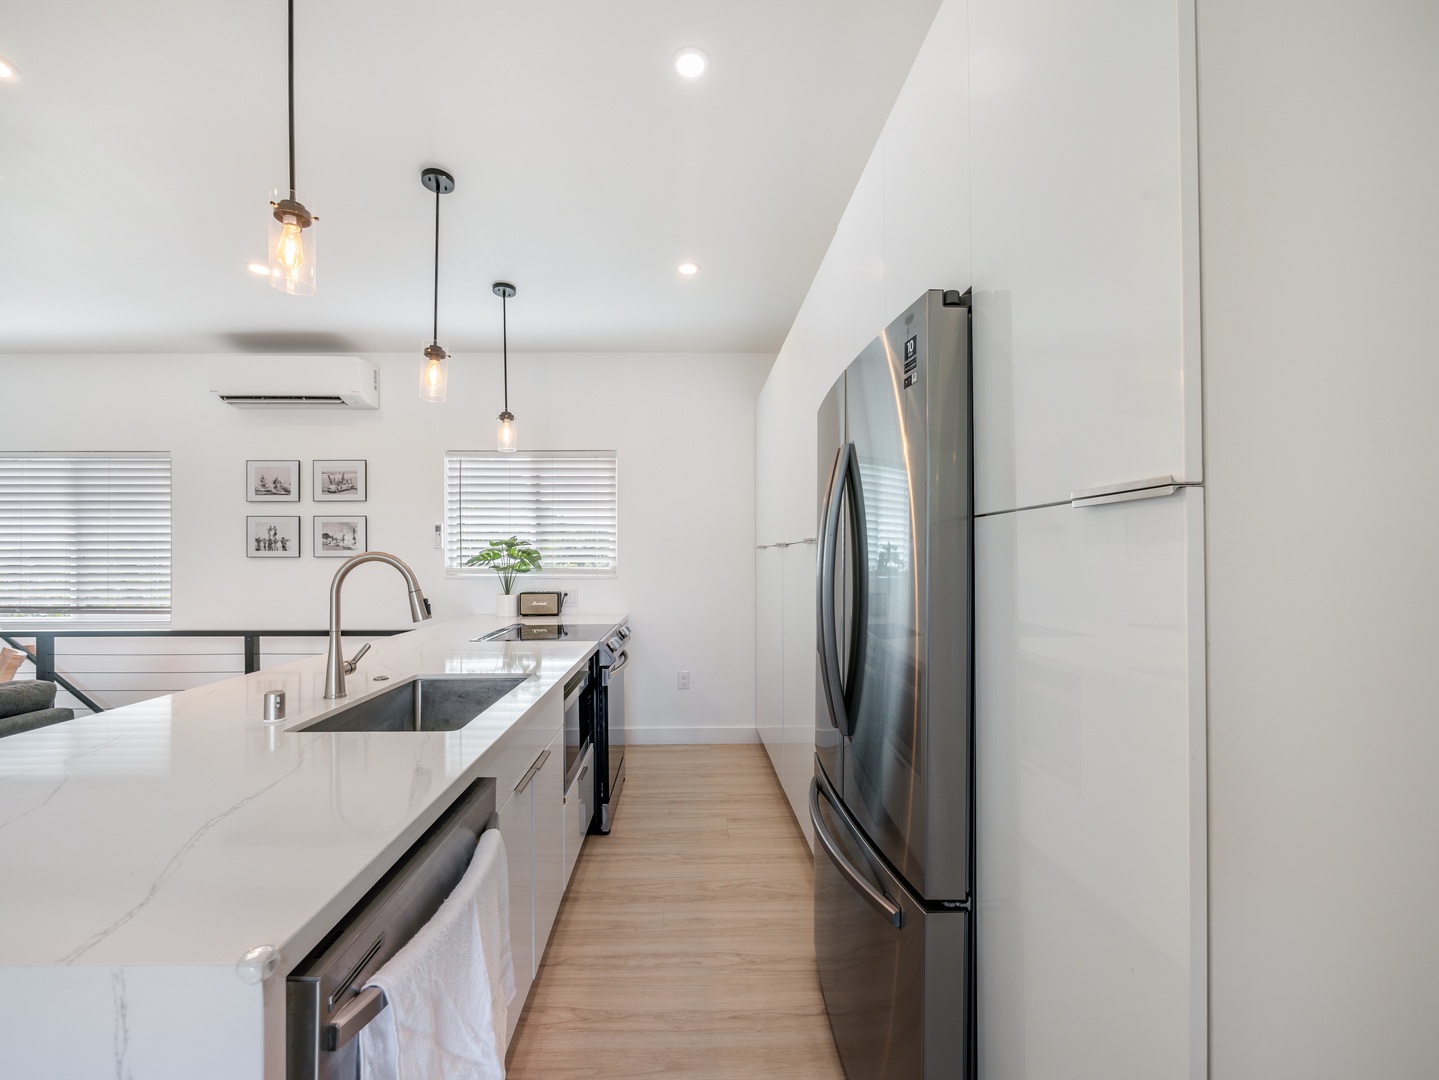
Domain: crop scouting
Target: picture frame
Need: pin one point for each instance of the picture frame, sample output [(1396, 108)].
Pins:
[(272, 481), (340, 480), (272, 537), (338, 536)]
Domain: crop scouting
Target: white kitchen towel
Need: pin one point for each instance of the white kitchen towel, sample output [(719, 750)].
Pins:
[(449, 987)]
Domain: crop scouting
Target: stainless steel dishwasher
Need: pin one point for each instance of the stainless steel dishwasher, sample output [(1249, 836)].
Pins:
[(326, 1004)]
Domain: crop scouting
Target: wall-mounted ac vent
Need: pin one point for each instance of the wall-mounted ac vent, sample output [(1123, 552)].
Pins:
[(296, 382)]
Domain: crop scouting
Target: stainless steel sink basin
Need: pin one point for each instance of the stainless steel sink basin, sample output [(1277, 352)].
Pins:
[(437, 703)]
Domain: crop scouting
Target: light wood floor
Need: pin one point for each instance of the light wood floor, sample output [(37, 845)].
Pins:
[(685, 944)]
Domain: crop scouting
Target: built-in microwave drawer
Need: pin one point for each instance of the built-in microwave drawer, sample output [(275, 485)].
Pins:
[(579, 809)]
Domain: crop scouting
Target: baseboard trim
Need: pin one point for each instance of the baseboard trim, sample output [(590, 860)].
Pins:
[(659, 736)]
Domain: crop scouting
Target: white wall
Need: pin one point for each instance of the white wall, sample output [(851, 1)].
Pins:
[(1319, 162), (906, 230), (683, 426)]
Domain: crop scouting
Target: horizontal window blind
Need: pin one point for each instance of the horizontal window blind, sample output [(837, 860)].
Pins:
[(565, 502), (84, 534)]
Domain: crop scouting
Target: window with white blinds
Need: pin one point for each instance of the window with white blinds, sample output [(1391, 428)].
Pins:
[(566, 502), (84, 534)]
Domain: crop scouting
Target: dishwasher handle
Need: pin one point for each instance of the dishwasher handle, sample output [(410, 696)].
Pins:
[(353, 1015)]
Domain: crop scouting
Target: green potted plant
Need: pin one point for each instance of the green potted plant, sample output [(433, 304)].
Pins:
[(507, 558)]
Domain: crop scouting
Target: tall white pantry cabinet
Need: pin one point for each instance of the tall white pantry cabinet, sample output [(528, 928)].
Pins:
[(1068, 133), (1090, 676)]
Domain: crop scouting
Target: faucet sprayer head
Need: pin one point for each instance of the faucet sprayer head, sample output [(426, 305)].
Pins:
[(419, 606)]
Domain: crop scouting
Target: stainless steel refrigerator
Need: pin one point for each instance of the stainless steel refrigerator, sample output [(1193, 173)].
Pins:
[(891, 799)]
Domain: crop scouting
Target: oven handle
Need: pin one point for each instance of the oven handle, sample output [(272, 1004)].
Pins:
[(617, 666), (354, 1015)]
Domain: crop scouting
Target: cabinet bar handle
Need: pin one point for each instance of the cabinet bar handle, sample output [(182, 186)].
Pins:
[(1151, 488), (536, 767)]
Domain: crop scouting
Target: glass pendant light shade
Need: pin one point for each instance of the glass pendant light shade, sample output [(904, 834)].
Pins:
[(435, 372), (505, 436), (292, 245)]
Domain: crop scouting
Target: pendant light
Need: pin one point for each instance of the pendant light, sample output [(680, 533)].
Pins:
[(292, 248), (435, 371), (505, 437)]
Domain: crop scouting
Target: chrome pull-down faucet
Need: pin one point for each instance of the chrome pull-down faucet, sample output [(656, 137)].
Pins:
[(336, 666)]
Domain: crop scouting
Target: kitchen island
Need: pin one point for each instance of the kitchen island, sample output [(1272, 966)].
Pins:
[(163, 866)]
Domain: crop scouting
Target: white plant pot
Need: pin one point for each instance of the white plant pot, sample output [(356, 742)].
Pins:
[(507, 605)]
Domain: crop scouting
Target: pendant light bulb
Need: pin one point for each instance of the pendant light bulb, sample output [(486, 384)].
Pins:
[(292, 245), (505, 440), (435, 373), (435, 369), (292, 251)]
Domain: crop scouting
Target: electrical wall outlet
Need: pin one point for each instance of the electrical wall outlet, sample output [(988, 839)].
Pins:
[(569, 601), (439, 538), (684, 680)]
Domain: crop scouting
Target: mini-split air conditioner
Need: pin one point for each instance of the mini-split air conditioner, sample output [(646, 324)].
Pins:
[(296, 382)]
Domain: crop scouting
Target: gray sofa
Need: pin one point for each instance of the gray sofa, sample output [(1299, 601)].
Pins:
[(29, 704)]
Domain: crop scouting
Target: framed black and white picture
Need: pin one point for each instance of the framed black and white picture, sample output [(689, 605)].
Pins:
[(340, 481), (338, 536), (272, 537), (272, 481)]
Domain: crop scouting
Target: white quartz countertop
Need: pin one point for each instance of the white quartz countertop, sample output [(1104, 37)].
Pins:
[(186, 831)]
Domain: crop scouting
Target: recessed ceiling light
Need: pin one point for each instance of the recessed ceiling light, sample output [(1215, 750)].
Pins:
[(8, 71), (689, 269), (691, 63), (258, 268)]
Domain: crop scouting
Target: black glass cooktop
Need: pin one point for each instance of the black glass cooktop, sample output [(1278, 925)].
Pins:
[(549, 632)]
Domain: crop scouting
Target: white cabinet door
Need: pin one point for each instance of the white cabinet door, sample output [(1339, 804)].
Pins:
[(1091, 792), (548, 788), (799, 679), (516, 827), (769, 652), (1085, 247)]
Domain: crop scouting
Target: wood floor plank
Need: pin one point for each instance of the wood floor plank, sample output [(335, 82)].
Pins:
[(684, 947)]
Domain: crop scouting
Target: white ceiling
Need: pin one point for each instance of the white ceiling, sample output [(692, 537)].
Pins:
[(138, 151)]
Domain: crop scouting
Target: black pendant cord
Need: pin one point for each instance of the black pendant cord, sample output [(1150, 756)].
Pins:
[(435, 323), (505, 339), (292, 99)]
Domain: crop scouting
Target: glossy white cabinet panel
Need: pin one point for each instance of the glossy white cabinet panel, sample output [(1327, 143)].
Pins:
[(769, 652), (516, 825), (1090, 787), (799, 679), (549, 842), (1085, 247)]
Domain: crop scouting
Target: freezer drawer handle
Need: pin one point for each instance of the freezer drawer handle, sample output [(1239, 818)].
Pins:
[(876, 899), (355, 1014)]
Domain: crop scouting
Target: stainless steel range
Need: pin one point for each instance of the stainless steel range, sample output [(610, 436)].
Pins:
[(608, 668)]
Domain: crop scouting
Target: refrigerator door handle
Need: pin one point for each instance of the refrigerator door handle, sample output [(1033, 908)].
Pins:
[(876, 899), (828, 636)]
